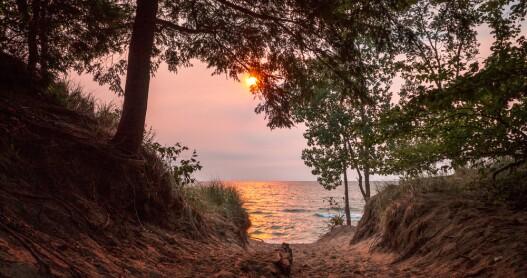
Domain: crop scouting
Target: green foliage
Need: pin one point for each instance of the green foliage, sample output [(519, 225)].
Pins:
[(178, 168), (55, 36), (271, 40), (510, 189), (470, 118), (341, 129), (338, 219), (438, 41), (335, 221), (332, 43)]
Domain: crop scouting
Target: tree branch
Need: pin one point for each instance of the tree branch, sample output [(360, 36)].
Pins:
[(170, 25)]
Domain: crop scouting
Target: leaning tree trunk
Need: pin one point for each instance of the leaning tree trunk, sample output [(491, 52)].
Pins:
[(366, 148), (346, 198), (347, 147), (367, 183), (359, 175), (131, 127)]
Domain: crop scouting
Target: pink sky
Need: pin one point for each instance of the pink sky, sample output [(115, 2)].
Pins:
[(215, 115)]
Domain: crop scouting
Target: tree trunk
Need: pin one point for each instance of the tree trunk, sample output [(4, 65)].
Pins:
[(129, 135), (366, 148), (367, 183), (346, 198), (360, 185), (32, 45), (44, 43), (355, 164)]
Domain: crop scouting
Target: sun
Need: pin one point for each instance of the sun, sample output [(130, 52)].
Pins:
[(251, 81)]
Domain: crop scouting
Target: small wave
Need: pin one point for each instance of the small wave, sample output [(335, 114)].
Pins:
[(356, 216), (295, 210), (278, 234), (259, 212), (324, 215), (274, 227), (331, 209), (352, 209)]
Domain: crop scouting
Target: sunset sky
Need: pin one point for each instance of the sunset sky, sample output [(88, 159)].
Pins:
[(215, 115)]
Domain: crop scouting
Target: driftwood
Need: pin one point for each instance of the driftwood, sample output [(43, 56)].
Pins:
[(284, 259)]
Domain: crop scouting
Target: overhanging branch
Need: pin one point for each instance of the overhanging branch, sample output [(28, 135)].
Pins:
[(170, 25)]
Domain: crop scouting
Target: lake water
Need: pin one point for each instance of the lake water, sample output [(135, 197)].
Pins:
[(294, 211)]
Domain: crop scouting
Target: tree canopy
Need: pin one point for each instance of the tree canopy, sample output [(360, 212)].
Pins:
[(328, 64), (55, 36)]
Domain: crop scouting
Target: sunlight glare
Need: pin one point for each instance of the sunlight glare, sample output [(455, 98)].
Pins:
[(251, 81)]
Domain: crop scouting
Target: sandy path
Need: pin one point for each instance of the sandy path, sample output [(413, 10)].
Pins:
[(334, 256)]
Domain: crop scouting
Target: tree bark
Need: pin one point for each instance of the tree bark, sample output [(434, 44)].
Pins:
[(44, 42), (367, 182), (129, 135), (366, 148), (347, 147), (346, 198), (32, 45), (360, 184)]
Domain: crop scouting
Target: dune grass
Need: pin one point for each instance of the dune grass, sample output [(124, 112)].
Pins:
[(73, 97), (507, 189), (204, 208), (216, 198)]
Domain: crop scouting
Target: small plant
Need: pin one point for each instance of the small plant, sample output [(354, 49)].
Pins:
[(338, 218), (335, 221), (181, 170)]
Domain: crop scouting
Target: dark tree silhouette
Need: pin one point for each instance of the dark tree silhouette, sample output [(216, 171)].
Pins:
[(53, 37), (129, 135)]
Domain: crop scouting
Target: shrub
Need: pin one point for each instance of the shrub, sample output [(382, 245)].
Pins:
[(180, 170), (336, 220), (509, 189), (339, 218)]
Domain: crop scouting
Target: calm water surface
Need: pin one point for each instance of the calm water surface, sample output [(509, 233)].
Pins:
[(293, 211)]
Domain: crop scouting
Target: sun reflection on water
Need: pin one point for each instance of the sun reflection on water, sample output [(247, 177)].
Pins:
[(294, 212)]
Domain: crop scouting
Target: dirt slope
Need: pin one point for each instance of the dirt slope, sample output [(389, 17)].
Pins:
[(73, 206), (449, 235)]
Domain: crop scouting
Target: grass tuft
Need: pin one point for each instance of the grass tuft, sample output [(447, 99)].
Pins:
[(73, 97), (202, 207), (216, 198)]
